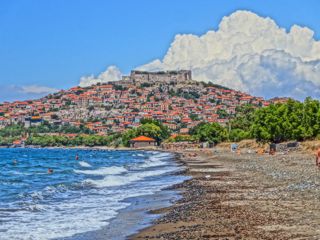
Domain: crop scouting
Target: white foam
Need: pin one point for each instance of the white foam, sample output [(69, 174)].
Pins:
[(103, 171), (89, 211), (155, 160), (17, 173), (119, 180), (64, 219), (84, 164)]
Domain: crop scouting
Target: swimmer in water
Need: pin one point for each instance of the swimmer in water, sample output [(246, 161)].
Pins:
[(77, 157), (50, 170), (14, 162)]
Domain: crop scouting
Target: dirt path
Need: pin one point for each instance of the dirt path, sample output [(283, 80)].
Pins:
[(244, 197)]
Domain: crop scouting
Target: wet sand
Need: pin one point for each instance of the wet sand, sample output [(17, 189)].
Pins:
[(245, 196)]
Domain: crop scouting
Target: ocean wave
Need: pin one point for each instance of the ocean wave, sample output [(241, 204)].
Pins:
[(156, 160), (35, 208), (85, 199), (103, 171), (84, 164), (119, 180)]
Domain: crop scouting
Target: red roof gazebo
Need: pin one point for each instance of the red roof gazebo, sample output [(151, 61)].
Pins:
[(142, 141)]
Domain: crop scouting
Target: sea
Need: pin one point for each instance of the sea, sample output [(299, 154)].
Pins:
[(96, 195)]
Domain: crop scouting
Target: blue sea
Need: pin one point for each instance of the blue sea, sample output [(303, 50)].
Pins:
[(80, 195)]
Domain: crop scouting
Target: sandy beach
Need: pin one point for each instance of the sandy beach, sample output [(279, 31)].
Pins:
[(245, 196)]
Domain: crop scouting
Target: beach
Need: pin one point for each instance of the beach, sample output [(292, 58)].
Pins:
[(246, 196)]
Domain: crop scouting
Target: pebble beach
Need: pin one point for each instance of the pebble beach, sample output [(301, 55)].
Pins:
[(242, 196)]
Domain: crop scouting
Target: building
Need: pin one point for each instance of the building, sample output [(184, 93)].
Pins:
[(142, 141), (33, 121), (163, 76)]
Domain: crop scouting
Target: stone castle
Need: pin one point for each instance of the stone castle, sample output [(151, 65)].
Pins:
[(161, 76)]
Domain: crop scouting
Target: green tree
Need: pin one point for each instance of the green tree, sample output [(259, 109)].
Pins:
[(150, 130), (289, 121), (128, 135), (194, 117), (209, 132), (165, 132), (222, 113)]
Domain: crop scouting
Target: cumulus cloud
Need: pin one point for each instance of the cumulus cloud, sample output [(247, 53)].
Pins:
[(249, 53), (111, 74), (36, 89)]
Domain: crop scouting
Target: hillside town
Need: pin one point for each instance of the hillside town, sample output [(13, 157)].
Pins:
[(171, 97)]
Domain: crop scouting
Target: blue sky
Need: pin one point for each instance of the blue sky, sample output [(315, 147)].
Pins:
[(54, 43)]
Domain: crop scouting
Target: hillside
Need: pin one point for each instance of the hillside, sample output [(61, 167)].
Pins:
[(170, 97)]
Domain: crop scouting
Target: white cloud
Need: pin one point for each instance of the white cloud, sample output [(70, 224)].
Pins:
[(249, 53), (36, 89), (111, 74)]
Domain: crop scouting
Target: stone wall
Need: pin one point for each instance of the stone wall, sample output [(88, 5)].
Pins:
[(285, 147), (167, 76)]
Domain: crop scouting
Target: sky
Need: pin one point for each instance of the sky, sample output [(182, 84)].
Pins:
[(48, 45)]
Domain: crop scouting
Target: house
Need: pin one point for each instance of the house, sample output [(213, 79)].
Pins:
[(18, 143), (142, 141), (184, 130), (33, 121), (3, 122)]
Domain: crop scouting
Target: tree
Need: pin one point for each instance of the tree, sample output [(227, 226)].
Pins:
[(150, 130), (237, 135), (194, 117), (209, 132), (240, 126), (14, 130), (165, 132), (222, 113), (289, 121), (244, 117), (128, 135)]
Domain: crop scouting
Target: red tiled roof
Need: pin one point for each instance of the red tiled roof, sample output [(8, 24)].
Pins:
[(143, 139)]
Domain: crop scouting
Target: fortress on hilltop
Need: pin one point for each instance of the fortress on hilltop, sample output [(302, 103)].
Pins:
[(161, 76)]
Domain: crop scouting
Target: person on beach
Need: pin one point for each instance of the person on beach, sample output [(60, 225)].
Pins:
[(318, 158), (260, 151)]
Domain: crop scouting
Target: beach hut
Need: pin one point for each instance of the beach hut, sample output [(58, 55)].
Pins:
[(142, 141)]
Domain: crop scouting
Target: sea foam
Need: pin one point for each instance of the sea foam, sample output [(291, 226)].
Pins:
[(84, 164), (103, 171), (85, 198)]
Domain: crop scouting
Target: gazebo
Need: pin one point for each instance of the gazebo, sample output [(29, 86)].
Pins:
[(142, 141)]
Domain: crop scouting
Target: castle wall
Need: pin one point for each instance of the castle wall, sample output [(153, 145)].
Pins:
[(142, 76)]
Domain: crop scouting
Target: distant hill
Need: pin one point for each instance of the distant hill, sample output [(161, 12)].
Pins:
[(171, 97)]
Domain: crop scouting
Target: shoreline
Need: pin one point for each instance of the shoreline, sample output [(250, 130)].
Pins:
[(231, 196), (245, 196), (132, 218), (136, 216)]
